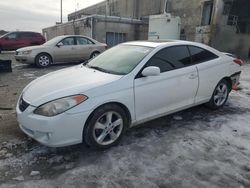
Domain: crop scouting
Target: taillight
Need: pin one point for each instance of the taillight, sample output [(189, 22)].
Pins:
[(238, 61)]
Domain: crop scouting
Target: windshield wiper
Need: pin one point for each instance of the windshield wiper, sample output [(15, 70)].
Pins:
[(99, 69), (104, 70), (85, 62)]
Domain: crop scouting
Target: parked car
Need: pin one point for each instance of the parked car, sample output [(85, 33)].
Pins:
[(66, 48), (126, 85), (19, 39)]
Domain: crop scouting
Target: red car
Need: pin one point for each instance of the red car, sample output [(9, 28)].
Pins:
[(19, 39)]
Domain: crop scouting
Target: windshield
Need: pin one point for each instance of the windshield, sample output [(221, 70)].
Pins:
[(53, 41), (6, 34), (121, 59)]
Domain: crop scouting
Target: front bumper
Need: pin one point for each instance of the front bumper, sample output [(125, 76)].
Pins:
[(25, 59), (58, 131)]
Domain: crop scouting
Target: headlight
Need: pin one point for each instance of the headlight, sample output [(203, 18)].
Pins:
[(59, 106), (26, 52)]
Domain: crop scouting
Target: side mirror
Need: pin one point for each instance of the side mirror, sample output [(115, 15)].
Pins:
[(59, 44), (151, 71), (6, 38)]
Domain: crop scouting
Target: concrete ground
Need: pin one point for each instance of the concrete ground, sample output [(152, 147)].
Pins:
[(197, 147)]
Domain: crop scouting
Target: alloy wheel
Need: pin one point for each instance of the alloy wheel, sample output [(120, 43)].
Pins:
[(44, 60), (108, 128), (221, 93)]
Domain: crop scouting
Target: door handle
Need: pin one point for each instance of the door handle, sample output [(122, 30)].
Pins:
[(192, 76)]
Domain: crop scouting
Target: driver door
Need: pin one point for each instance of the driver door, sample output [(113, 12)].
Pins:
[(173, 89)]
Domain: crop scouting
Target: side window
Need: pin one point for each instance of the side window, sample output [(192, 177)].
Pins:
[(25, 35), (161, 63), (90, 42), (68, 41), (30, 35), (200, 55), (11, 36), (171, 58), (83, 41)]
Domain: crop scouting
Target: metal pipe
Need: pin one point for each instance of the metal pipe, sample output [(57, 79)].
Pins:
[(166, 7), (92, 28), (61, 12)]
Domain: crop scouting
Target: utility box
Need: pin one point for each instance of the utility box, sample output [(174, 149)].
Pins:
[(164, 26), (5, 66)]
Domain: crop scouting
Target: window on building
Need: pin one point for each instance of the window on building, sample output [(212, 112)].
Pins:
[(232, 20), (171, 58), (116, 14), (113, 39), (227, 8), (239, 16), (207, 13), (200, 55)]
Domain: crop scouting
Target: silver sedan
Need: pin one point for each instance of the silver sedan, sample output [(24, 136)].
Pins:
[(66, 48)]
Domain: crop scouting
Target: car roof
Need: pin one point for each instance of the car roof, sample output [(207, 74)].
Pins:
[(73, 36), (166, 43), (156, 43), (65, 36), (23, 32), (152, 44)]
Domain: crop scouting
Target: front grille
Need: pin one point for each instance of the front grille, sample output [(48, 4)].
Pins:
[(23, 104)]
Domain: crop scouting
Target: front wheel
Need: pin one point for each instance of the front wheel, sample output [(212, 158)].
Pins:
[(43, 60), (220, 95), (105, 127)]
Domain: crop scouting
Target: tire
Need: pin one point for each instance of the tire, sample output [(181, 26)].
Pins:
[(43, 60), (105, 127), (0, 49), (220, 95), (94, 54)]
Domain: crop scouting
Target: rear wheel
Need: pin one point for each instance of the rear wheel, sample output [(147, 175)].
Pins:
[(94, 54), (43, 60), (105, 127), (220, 95)]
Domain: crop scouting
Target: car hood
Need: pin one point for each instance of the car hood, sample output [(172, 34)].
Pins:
[(66, 82), (30, 48)]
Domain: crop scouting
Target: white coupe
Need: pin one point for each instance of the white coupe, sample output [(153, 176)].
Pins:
[(127, 85)]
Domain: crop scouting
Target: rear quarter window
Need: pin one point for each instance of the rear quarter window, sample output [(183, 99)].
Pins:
[(199, 55), (27, 35)]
